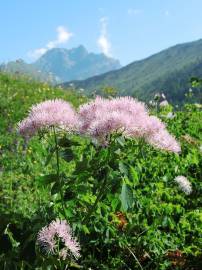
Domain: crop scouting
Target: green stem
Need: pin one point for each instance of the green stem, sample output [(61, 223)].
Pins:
[(93, 207), (100, 193), (58, 172)]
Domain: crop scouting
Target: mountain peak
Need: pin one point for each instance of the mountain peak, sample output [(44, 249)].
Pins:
[(79, 51), (75, 64)]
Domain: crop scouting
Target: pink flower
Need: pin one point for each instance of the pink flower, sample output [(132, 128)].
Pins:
[(57, 113), (163, 140), (58, 230), (101, 117)]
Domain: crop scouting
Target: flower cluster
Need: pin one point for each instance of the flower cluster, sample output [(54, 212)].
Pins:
[(57, 113), (184, 184), (58, 230), (101, 117)]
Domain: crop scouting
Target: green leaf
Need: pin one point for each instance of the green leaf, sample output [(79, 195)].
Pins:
[(50, 155), (114, 203), (81, 166), (55, 188), (85, 229), (134, 175), (122, 168), (47, 179), (67, 154), (65, 142), (121, 141), (126, 197)]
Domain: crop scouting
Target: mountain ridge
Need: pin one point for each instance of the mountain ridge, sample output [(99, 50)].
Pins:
[(61, 64), (144, 77)]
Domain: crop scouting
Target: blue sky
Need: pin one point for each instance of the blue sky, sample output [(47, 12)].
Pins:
[(125, 29)]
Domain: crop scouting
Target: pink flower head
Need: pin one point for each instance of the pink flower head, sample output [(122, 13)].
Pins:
[(58, 230), (57, 113), (102, 117), (163, 140), (90, 111)]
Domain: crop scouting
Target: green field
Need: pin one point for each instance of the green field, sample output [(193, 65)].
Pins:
[(142, 220)]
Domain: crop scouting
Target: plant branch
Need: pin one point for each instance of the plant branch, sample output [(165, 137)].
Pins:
[(58, 172), (135, 258)]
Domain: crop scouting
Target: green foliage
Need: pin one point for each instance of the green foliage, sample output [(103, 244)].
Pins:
[(109, 92), (121, 201)]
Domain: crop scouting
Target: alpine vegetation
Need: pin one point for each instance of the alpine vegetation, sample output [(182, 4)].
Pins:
[(184, 184), (105, 167)]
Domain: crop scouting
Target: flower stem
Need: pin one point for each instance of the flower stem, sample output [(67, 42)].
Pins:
[(58, 172), (101, 192), (93, 207)]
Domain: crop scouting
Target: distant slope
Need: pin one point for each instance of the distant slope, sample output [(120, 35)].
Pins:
[(75, 64), (19, 67), (168, 71)]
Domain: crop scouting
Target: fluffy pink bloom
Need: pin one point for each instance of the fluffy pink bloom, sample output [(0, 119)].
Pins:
[(58, 230), (58, 113), (108, 123), (102, 117), (90, 112), (127, 104), (163, 140)]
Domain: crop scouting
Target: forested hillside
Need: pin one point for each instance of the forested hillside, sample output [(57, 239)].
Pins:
[(168, 71)]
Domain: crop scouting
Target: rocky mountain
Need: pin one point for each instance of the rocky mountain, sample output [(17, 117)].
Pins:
[(60, 65), (75, 64)]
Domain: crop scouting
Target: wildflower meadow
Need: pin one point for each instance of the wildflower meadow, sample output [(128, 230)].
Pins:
[(98, 183)]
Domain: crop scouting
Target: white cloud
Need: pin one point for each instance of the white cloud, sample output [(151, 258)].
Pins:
[(63, 35), (103, 41), (133, 11)]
